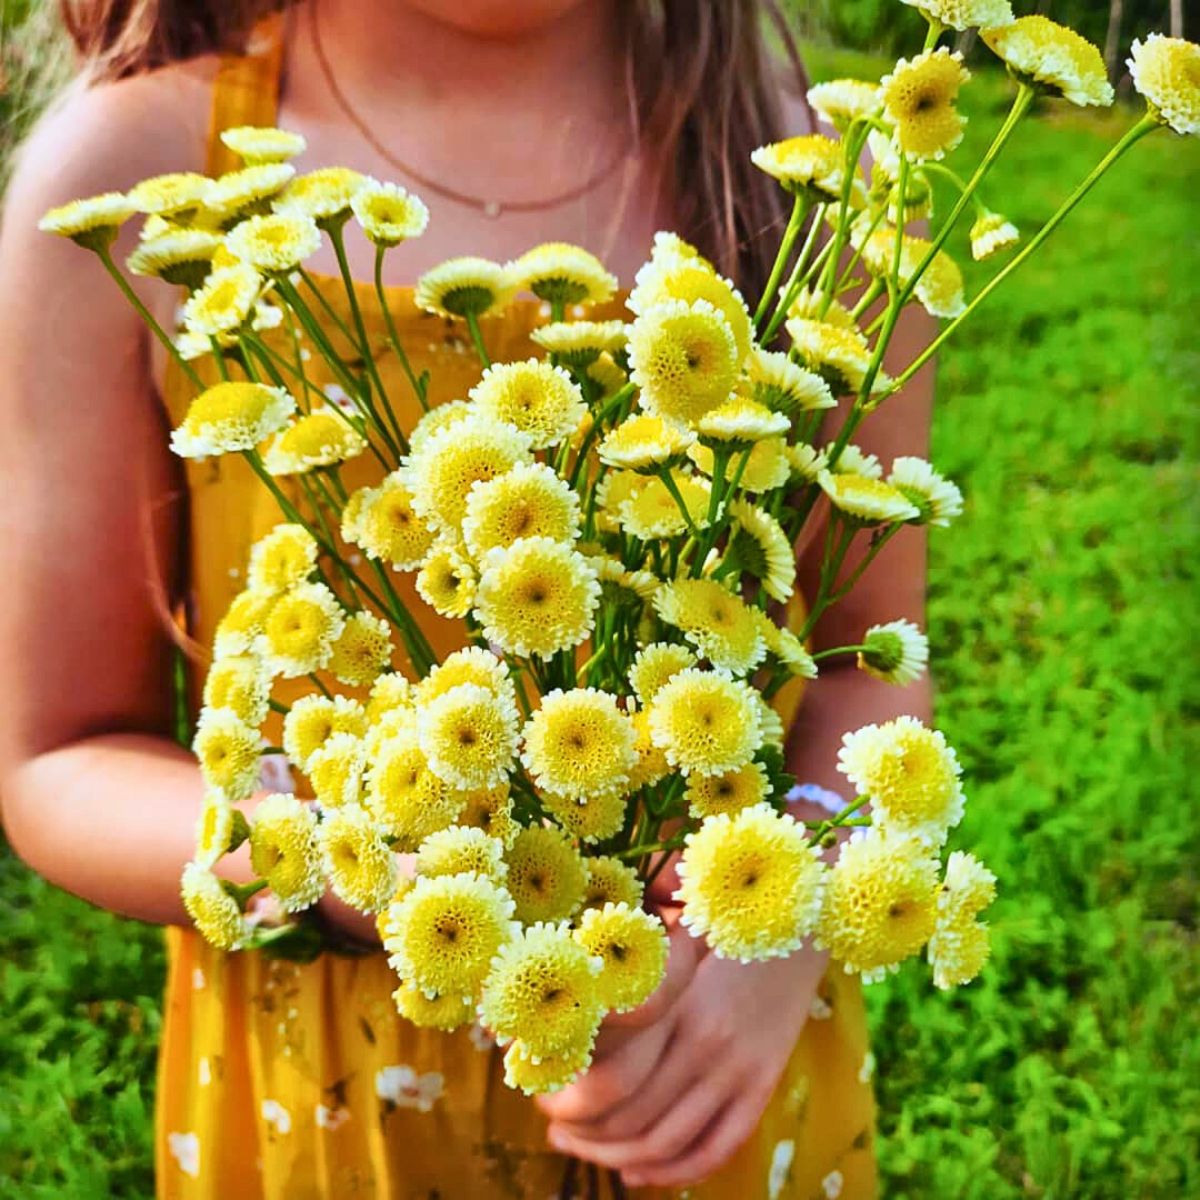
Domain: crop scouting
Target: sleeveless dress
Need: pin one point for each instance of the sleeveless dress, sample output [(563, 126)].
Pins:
[(281, 1081)]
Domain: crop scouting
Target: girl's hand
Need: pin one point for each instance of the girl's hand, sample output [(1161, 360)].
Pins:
[(673, 1093)]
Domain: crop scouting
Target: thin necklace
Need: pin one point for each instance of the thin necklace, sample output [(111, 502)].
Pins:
[(488, 206)]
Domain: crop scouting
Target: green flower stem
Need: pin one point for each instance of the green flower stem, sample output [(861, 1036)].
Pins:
[(310, 486), (838, 538), (219, 356), (250, 346), (320, 686), (419, 649), (952, 177), (645, 848), (279, 707), (933, 33), (418, 385), (800, 207), (241, 892), (844, 279), (838, 650), (873, 292), (669, 483), (614, 404), (855, 140), (477, 338), (801, 271), (297, 368), (821, 828)]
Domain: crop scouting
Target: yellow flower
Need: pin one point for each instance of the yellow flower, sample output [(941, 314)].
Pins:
[(469, 736), (542, 990), (959, 946), (789, 649), (490, 809), (313, 720), (284, 851), (544, 1074), (462, 849), (466, 286), (537, 597), (633, 948), (940, 286), (360, 867), (560, 273), (325, 195), (300, 630), (880, 903), (918, 98), (965, 14), (719, 624), (220, 829), (593, 819), (471, 665), (446, 1013), (855, 461), (362, 650), (213, 910), (408, 800), (645, 443), (446, 580), (784, 386), (609, 374), (388, 213), (710, 795), (751, 884), (275, 242), (759, 545), (1166, 72), (178, 195), (1053, 57), (231, 416), (937, 498), (807, 463), (653, 512), (436, 419), (389, 693), (182, 257), (443, 935), (263, 144), (580, 343), (228, 752), (283, 558), (652, 764), (771, 732), (811, 163), (610, 881), (244, 191), (240, 684), (671, 246), (546, 875), (767, 468), (223, 303), (238, 630), (92, 222), (740, 422), (384, 731), (580, 744), (869, 501), (840, 356), (990, 234), (895, 653), (383, 522), (669, 277), (441, 472), (911, 775), (336, 769), (705, 722), (840, 101), (540, 400), (684, 359), (656, 664), (529, 501)]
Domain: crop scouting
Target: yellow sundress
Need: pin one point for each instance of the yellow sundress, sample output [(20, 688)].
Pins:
[(280, 1081)]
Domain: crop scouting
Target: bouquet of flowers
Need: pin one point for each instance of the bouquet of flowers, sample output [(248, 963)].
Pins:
[(613, 523)]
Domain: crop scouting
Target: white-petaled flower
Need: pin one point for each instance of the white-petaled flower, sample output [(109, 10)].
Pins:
[(990, 234), (785, 386), (897, 652), (461, 287), (263, 144), (870, 501), (938, 500), (760, 545), (469, 736), (965, 14), (224, 302), (274, 242), (92, 222), (1052, 57), (853, 460), (1166, 72), (841, 101), (388, 213)]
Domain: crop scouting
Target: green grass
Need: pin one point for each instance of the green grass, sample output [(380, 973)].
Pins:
[(1060, 614)]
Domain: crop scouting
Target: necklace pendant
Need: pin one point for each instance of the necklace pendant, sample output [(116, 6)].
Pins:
[(492, 208)]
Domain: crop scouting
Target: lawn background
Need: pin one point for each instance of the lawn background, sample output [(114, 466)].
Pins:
[(1061, 616)]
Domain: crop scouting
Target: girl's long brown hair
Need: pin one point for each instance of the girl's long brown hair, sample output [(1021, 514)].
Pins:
[(701, 78)]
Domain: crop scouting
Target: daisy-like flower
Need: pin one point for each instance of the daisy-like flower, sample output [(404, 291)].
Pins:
[(213, 910), (739, 422), (840, 101), (238, 630), (652, 765), (467, 286), (316, 439), (965, 14), (531, 500), (990, 234), (540, 400), (443, 935), (654, 665), (1166, 73), (224, 302), (759, 544), (610, 881), (784, 386), (244, 191), (462, 849), (542, 990), (652, 510), (389, 693), (440, 474), (546, 875), (840, 356), (284, 851), (220, 829), (633, 948), (645, 443), (275, 242), (241, 685), (471, 665), (911, 775), (491, 810), (336, 770), (689, 279), (542, 1075), (579, 744), (806, 462), (263, 144), (362, 650), (325, 195), (228, 751), (446, 1013), (751, 884), (388, 213), (181, 256), (580, 343), (593, 819), (360, 867), (853, 460), (1052, 57), (407, 798), (869, 501), (729, 792), (812, 164), (705, 722), (313, 720), (609, 374), (939, 287), (92, 222), (469, 736), (436, 419), (446, 580), (178, 195), (767, 468), (880, 903), (719, 624), (771, 731), (537, 597), (897, 652), (300, 630), (561, 273), (918, 98), (383, 522), (938, 499), (684, 359), (789, 649)]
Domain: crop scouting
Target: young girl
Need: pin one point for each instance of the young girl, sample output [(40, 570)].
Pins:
[(595, 122)]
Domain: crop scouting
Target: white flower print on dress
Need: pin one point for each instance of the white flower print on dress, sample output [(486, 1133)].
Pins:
[(781, 1168), (331, 1118), (480, 1038), (819, 1009), (185, 1150), (204, 1072), (831, 1185), (274, 774), (402, 1086), (275, 1114), (867, 1070), (198, 979)]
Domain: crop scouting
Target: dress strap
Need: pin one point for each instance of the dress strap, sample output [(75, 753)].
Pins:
[(246, 90)]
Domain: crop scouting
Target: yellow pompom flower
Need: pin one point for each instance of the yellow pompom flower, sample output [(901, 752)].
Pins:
[(959, 947), (840, 356), (811, 164), (443, 935), (316, 439), (360, 867), (213, 910), (990, 234), (244, 191), (474, 664), (181, 256), (1166, 73), (587, 820), (939, 288), (1053, 58), (652, 511), (918, 98), (652, 764), (759, 544), (654, 665), (300, 630), (381, 733), (446, 580), (462, 849), (383, 522), (362, 650), (767, 468), (537, 597), (807, 463), (710, 795), (579, 744), (92, 222), (668, 278), (911, 775), (325, 195), (531, 500), (751, 884), (789, 649), (722, 627), (263, 143), (239, 684), (771, 732), (610, 881), (231, 416), (705, 722), (633, 948), (965, 14), (238, 630), (313, 720), (274, 242), (880, 903), (469, 736), (894, 653), (645, 443), (740, 422), (220, 829), (869, 501), (491, 809), (389, 693), (228, 751), (440, 474), (446, 1013), (546, 875), (283, 558), (544, 1074), (609, 374), (840, 101), (784, 386), (540, 400), (223, 303), (561, 273), (580, 343), (855, 461), (177, 195), (683, 358), (284, 851), (465, 286), (336, 770), (542, 991), (388, 213), (407, 798)]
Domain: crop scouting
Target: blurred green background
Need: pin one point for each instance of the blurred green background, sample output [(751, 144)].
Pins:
[(1062, 626)]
